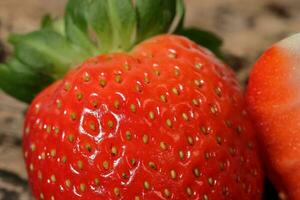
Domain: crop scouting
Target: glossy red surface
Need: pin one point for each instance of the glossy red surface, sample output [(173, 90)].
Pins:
[(166, 121), (274, 102)]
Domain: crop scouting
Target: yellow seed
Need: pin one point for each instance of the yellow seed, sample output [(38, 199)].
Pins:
[(198, 66), (105, 165), (146, 80), (213, 109), (145, 139), (228, 123), (133, 161), (152, 165), (94, 104), (48, 129), (181, 154), (138, 88), (71, 138), (102, 83), (210, 181), (88, 147), (196, 172), (198, 83), (189, 191), (239, 129), (172, 54), (92, 126), (222, 166), (82, 187), (73, 116), (127, 66), (146, 185), (169, 123), (204, 130), (128, 135), (190, 140), (136, 198), (133, 108), (79, 96), (167, 193), (117, 191), (195, 102), (68, 183), (124, 175), (58, 104), (151, 115), (53, 153), (64, 159), (53, 178), (80, 164), (56, 130), (110, 124), (117, 104), (219, 140), (207, 155), (114, 150), (163, 98), (42, 196), (205, 197), (173, 174), (118, 78), (218, 91), (67, 86), (163, 145), (96, 181), (32, 147), (176, 72), (157, 72), (185, 116), (52, 198), (31, 168), (175, 91), (86, 77)]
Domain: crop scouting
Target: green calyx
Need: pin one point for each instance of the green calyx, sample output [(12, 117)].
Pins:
[(90, 28)]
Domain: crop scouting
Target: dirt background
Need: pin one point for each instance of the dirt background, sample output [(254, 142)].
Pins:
[(247, 27)]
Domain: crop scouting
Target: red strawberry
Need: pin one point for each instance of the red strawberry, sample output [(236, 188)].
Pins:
[(273, 97), (165, 122)]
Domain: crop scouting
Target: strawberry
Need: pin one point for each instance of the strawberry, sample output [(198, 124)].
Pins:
[(273, 101), (166, 120)]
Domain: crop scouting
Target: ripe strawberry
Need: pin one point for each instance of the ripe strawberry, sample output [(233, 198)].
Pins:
[(164, 122), (273, 98)]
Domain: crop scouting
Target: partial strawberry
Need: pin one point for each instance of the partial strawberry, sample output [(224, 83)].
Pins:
[(164, 119), (274, 102)]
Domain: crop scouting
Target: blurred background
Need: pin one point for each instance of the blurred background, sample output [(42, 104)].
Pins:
[(247, 28)]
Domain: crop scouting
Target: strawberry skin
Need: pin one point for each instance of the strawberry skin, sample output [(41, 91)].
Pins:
[(273, 99), (166, 121)]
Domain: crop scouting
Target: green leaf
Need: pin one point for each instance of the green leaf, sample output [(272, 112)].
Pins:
[(204, 38), (20, 82), (110, 24), (154, 17), (56, 25), (77, 28), (47, 52)]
